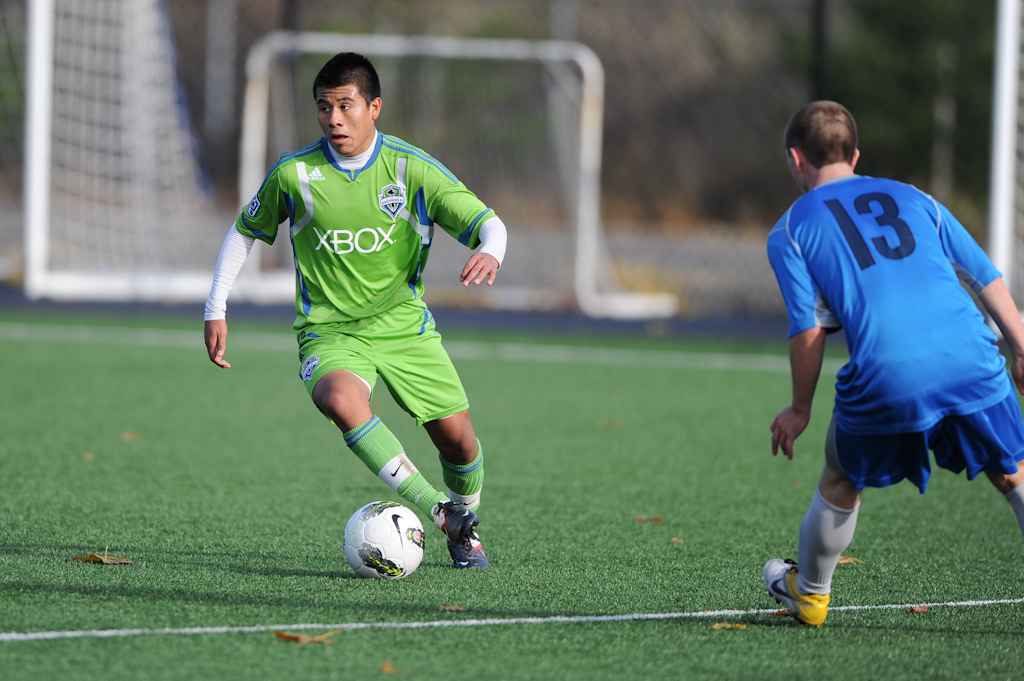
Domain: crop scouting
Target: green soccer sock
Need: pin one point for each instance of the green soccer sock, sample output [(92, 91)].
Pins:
[(380, 450), (374, 444), (465, 482), (416, 490)]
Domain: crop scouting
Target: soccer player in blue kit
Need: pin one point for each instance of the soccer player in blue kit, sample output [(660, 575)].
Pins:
[(884, 261)]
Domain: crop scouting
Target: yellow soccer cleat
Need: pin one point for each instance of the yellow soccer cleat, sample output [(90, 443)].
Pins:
[(780, 578)]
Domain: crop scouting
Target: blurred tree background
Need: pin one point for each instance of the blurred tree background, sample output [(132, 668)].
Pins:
[(917, 76)]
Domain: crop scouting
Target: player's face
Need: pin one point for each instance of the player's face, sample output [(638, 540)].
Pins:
[(346, 119)]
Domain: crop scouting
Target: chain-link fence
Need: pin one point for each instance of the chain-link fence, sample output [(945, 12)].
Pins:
[(697, 92)]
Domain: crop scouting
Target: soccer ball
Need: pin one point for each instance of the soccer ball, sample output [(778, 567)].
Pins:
[(384, 540)]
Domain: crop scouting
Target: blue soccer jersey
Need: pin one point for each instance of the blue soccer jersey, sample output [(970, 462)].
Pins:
[(884, 260)]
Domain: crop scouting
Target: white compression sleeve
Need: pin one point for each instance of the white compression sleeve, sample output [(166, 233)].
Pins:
[(232, 256), (494, 238)]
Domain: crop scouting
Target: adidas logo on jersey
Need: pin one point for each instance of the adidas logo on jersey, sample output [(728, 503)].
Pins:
[(316, 175)]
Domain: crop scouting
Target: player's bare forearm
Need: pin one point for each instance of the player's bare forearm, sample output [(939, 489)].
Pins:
[(215, 333), (806, 351), (1000, 306), (480, 267)]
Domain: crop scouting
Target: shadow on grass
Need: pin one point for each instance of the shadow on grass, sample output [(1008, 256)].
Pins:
[(152, 594), (67, 552), (44, 551), (241, 563), (292, 572), (208, 559), (315, 606)]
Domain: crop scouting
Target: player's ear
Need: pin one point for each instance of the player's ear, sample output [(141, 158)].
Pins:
[(856, 157), (375, 108), (796, 159)]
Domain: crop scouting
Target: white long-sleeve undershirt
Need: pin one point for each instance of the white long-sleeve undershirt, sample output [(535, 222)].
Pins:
[(493, 238), (229, 263)]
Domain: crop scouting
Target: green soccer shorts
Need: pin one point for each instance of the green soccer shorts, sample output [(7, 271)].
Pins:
[(402, 346)]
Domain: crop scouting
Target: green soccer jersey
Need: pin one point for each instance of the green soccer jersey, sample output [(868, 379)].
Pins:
[(360, 238)]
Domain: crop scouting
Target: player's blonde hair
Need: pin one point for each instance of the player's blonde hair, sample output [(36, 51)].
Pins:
[(824, 131)]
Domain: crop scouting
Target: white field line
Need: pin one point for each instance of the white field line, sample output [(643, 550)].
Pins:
[(459, 350), (574, 619)]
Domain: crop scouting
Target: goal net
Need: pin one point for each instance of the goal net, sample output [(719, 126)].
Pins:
[(520, 122), (114, 199), (1006, 188)]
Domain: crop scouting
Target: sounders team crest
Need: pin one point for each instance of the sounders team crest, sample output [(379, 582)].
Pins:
[(309, 366), (392, 198)]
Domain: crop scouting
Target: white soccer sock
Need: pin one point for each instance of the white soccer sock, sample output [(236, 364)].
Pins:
[(466, 501), (824, 534), (1016, 498)]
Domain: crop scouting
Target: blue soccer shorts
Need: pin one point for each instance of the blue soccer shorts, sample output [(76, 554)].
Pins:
[(988, 440)]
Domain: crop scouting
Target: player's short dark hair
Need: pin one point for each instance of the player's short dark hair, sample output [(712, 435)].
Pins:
[(824, 131), (349, 68)]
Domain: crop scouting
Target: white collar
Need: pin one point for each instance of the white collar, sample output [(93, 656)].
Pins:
[(354, 162)]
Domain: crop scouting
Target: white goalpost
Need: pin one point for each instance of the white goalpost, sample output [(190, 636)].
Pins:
[(423, 75), (1006, 189)]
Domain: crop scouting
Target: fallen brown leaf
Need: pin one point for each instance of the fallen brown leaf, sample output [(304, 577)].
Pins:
[(645, 519), (131, 436), (849, 560), (612, 424), (677, 540), (782, 612), (728, 625), (919, 608), (88, 456), (304, 639), (388, 668), (105, 559), (451, 608), (796, 483)]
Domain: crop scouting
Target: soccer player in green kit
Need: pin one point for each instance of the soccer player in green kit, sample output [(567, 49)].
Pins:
[(361, 208)]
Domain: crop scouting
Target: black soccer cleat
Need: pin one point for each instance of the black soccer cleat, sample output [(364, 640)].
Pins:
[(469, 555), (456, 522)]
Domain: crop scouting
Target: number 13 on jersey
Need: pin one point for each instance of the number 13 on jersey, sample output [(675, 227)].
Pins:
[(888, 218)]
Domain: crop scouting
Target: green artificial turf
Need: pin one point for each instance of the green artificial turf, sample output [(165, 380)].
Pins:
[(231, 492)]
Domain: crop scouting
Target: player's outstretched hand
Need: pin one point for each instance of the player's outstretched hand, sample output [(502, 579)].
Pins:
[(216, 335), (786, 428), (481, 266)]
